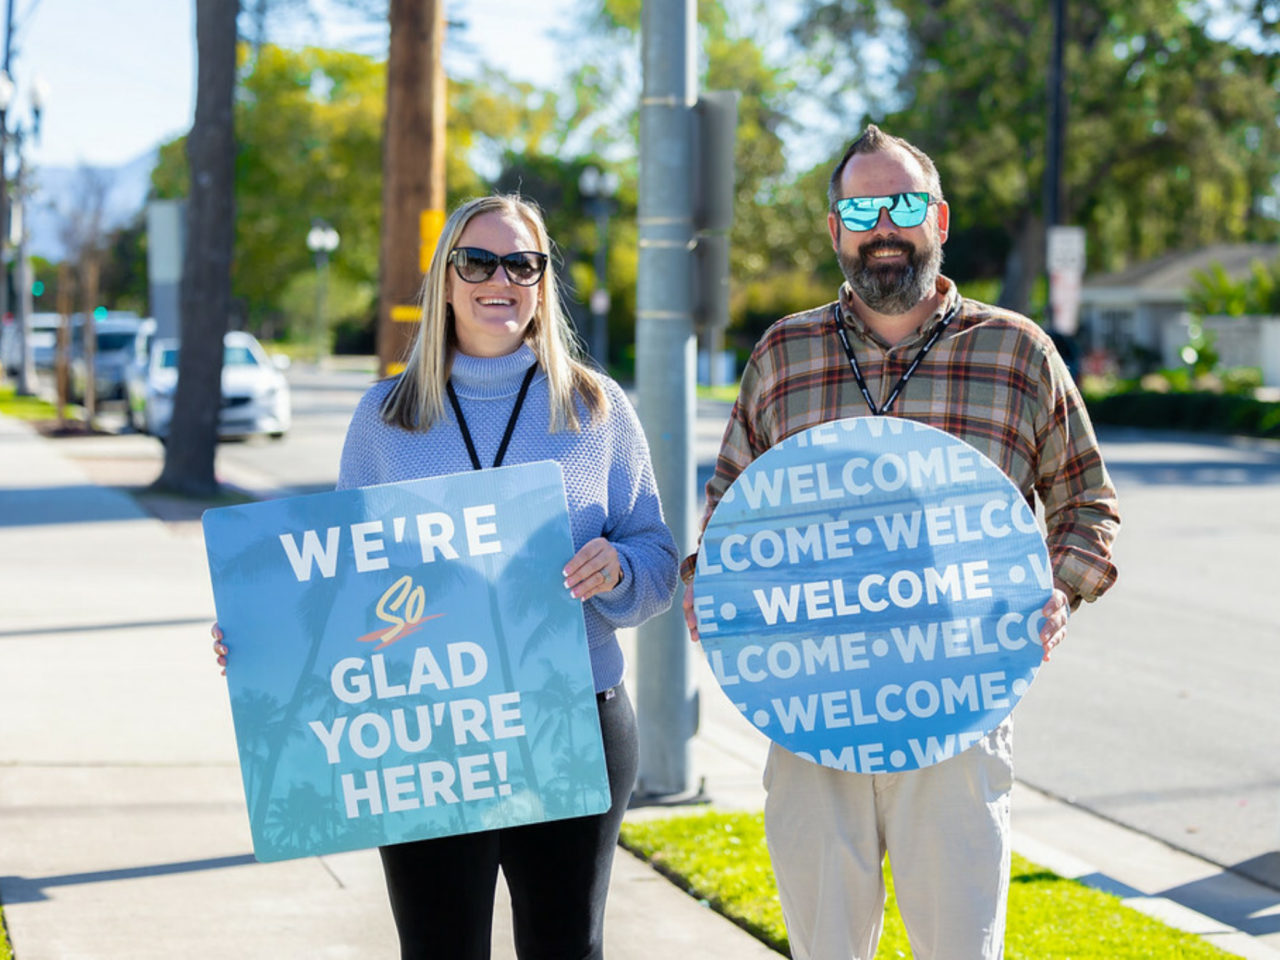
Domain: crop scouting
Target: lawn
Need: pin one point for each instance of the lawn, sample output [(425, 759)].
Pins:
[(721, 859), (24, 408)]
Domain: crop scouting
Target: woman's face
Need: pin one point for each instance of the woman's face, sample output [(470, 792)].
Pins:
[(492, 316)]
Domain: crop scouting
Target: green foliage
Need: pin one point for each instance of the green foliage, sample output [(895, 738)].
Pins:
[(122, 282), (344, 299), (779, 228), (1214, 293), (24, 408), (721, 859), (1173, 401), (309, 129), (1171, 134), (760, 302)]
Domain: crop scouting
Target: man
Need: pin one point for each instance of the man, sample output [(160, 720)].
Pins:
[(900, 341)]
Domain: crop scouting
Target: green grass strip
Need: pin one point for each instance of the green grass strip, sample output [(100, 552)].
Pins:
[(25, 408), (6, 949), (727, 392), (720, 858)]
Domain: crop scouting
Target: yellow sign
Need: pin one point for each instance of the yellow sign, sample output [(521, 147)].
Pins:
[(430, 226)]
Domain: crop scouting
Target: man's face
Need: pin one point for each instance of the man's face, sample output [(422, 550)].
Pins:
[(890, 268)]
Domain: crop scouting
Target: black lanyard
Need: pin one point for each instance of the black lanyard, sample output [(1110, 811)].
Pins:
[(511, 422), (902, 380)]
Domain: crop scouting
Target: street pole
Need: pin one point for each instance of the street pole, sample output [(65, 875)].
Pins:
[(666, 372), (596, 190), (600, 296), (322, 240), (322, 283), (23, 386), (1053, 147)]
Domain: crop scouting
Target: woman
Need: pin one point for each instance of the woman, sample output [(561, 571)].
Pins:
[(492, 378)]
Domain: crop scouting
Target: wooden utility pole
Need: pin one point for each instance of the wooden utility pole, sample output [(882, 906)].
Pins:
[(413, 198)]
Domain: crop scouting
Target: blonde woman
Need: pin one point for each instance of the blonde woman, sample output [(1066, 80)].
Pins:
[(493, 377)]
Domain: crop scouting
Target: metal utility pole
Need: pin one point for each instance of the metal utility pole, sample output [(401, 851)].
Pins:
[(413, 188), (1053, 144), (665, 371), (23, 388)]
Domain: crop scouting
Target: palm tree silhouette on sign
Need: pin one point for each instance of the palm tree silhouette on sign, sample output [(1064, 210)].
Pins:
[(561, 706)]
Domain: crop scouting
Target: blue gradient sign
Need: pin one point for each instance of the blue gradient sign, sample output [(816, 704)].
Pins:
[(868, 594), (405, 661)]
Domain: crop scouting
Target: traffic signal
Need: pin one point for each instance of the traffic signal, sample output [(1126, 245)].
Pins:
[(37, 288)]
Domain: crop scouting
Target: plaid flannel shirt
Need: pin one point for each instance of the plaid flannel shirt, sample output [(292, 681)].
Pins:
[(994, 379)]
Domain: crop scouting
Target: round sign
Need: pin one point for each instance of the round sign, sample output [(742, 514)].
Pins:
[(868, 594)]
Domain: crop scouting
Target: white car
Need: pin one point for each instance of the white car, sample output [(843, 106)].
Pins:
[(43, 332), (255, 394)]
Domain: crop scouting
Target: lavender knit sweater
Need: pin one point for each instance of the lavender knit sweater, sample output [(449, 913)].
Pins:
[(607, 475)]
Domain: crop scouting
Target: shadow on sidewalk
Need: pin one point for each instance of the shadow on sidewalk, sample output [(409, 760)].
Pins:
[(78, 503), (32, 889)]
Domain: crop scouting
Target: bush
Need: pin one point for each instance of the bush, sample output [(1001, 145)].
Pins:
[(1197, 410)]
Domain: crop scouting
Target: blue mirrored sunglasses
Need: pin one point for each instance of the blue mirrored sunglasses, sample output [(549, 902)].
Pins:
[(860, 214)]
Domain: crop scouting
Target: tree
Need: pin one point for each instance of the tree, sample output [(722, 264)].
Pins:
[(309, 134), (206, 269), (81, 233), (1171, 134), (777, 230)]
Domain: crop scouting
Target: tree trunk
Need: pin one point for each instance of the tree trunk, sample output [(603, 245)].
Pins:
[(62, 357), (413, 189), (206, 272), (89, 297), (1024, 265)]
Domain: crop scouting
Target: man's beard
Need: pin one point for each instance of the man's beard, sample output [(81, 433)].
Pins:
[(892, 289)]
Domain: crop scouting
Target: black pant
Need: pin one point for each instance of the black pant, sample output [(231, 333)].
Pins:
[(557, 872)]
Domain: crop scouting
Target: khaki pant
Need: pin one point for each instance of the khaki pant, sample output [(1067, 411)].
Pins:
[(944, 827)]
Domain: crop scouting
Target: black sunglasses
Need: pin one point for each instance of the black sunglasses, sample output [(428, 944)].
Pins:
[(475, 265)]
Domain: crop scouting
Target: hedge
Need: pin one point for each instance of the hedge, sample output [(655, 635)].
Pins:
[(1195, 410)]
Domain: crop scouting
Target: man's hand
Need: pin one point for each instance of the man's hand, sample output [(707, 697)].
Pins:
[(1056, 612), (691, 621)]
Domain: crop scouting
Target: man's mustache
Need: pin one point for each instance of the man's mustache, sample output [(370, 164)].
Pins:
[(867, 250)]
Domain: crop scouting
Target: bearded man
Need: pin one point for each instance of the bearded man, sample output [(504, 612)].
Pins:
[(901, 341)]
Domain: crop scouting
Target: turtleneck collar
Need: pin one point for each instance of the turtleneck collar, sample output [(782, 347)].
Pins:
[(491, 376)]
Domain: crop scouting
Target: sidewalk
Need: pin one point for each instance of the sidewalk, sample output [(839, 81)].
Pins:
[(122, 827)]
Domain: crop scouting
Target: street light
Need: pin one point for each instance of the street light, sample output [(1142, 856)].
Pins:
[(322, 240), (597, 190)]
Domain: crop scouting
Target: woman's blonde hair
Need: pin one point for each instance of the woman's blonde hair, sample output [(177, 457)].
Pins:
[(417, 400)]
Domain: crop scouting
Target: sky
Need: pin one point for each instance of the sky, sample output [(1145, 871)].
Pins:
[(121, 73)]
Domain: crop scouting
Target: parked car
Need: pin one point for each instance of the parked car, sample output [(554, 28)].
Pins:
[(118, 337), (43, 332), (255, 394)]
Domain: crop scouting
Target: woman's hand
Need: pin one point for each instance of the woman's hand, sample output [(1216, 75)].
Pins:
[(594, 569), (219, 647)]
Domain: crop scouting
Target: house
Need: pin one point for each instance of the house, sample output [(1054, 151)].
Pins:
[(1139, 315)]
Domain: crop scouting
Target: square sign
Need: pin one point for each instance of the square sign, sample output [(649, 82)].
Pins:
[(405, 661)]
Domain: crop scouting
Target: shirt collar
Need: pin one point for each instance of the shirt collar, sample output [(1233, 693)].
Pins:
[(947, 290)]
